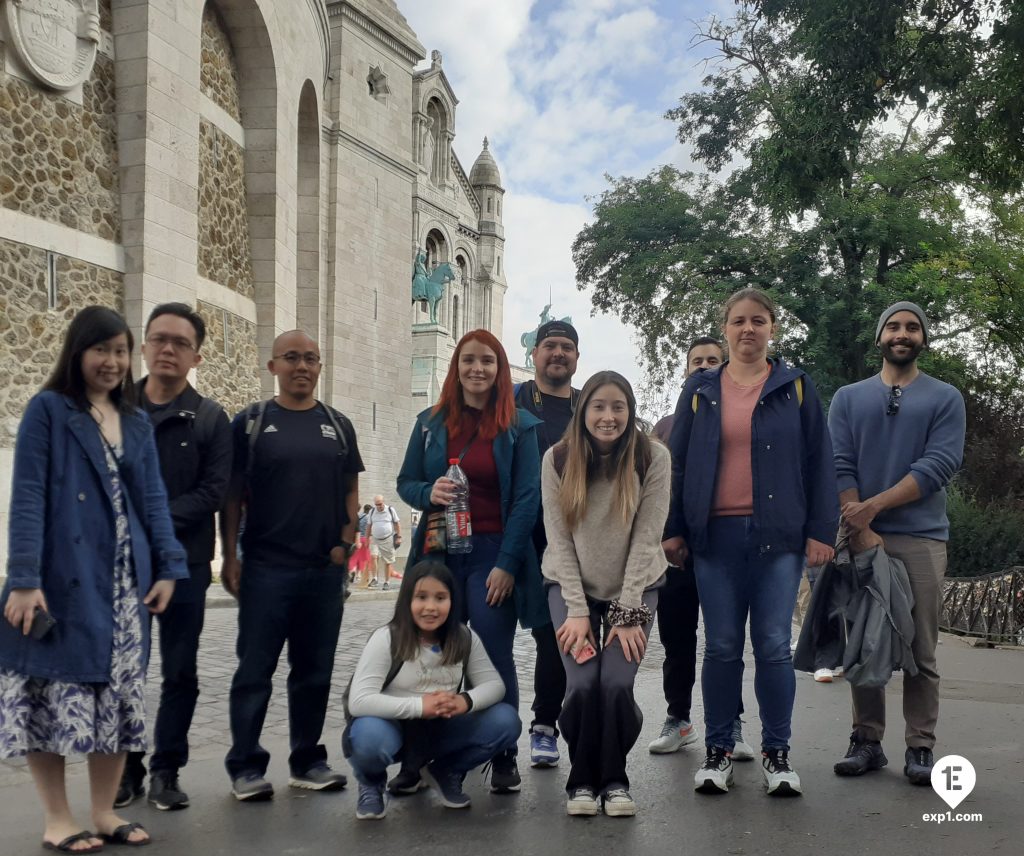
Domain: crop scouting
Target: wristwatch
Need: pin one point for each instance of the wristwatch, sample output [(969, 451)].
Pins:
[(348, 547)]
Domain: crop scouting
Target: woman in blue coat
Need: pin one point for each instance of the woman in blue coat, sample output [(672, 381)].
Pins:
[(754, 498), (476, 420), (89, 520)]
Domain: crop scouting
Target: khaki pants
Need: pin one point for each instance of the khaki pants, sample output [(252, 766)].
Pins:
[(925, 559)]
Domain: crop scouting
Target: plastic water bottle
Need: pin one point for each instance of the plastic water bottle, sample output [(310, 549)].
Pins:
[(459, 526)]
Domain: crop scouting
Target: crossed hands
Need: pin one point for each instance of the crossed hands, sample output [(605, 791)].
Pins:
[(443, 704)]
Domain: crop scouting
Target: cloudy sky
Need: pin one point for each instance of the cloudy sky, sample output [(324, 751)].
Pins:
[(566, 91)]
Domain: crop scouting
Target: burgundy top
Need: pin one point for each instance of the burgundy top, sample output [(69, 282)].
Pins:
[(479, 467)]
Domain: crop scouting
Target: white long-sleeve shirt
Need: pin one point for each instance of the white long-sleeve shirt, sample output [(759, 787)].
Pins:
[(403, 698)]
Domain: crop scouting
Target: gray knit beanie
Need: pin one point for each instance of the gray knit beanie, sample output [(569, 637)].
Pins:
[(902, 306)]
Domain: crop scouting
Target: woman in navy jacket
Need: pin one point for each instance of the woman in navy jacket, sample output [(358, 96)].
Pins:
[(476, 419), (754, 498), (92, 545)]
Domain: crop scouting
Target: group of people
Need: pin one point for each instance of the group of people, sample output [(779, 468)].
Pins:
[(378, 537), (584, 528)]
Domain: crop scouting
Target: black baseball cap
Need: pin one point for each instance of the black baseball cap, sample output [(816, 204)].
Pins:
[(558, 328)]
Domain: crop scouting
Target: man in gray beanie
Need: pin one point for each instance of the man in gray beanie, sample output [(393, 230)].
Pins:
[(898, 439)]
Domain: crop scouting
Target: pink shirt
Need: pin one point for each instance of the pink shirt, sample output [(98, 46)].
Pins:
[(734, 492)]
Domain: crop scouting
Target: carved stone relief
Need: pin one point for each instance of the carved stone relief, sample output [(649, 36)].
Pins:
[(56, 40)]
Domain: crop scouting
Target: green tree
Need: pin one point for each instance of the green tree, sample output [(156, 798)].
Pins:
[(847, 193)]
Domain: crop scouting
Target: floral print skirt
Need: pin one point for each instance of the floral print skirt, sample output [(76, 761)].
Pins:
[(68, 718)]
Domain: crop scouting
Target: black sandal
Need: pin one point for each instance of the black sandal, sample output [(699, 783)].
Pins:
[(66, 846), (120, 835)]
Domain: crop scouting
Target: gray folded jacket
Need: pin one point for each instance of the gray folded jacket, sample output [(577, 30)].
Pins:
[(860, 616)]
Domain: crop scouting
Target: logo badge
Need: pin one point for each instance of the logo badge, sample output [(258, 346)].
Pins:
[(328, 432), (953, 778)]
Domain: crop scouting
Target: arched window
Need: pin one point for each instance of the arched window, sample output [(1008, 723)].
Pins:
[(488, 204), (455, 317)]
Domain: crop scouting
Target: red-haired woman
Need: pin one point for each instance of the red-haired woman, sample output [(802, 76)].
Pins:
[(476, 420)]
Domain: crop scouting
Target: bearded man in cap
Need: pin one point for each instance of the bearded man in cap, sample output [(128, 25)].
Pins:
[(898, 439)]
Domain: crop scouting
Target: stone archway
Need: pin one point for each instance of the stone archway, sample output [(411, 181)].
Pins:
[(309, 298)]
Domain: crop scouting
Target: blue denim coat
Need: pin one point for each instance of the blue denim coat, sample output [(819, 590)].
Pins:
[(62, 536), (517, 459), (795, 491)]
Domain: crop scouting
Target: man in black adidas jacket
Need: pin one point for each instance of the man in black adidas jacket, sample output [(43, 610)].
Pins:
[(193, 440)]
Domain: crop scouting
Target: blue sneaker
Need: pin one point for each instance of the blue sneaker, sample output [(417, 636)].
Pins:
[(372, 804), (543, 746), (448, 785)]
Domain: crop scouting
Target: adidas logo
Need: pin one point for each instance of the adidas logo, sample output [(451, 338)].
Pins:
[(270, 429)]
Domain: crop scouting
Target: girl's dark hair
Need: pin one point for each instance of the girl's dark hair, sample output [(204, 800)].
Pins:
[(453, 636), (89, 327)]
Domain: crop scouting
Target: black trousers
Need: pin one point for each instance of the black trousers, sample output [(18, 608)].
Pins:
[(600, 720), (548, 678), (181, 625), (678, 615)]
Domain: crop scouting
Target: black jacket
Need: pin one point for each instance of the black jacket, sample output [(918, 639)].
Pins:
[(196, 468)]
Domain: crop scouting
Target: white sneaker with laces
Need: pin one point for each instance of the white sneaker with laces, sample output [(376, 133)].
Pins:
[(715, 774), (780, 779), (582, 803), (675, 734), (618, 803)]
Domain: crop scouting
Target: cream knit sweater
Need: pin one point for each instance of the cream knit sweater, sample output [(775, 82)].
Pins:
[(605, 558)]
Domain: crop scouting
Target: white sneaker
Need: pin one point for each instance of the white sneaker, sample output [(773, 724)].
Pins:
[(779, 778), (675, 734), (715, 774), (582, 803), (741, 750), (837, 673), (618, 803), (823, 676)]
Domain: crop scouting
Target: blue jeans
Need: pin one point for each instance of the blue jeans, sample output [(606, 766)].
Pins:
[(734, 579), (495, 625), (457, 744), (302, 606)]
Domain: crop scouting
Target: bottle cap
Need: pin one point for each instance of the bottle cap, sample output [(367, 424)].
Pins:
[(452, 461)]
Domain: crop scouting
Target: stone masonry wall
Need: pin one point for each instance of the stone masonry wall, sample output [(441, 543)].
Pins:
[(58, 161), (218, 74), (30, 333), (230, 368), (224, 249)]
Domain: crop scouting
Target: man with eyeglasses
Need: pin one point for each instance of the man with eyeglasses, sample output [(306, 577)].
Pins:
[(193, 439), (296, 476), (898, 439)]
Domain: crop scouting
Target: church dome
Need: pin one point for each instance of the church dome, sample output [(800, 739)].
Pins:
[(485, 170)]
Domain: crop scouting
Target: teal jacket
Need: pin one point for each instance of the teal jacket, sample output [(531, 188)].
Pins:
[(517, 458)]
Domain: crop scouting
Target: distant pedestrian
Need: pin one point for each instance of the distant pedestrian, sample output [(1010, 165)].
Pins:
[(753, 496), (425, 686), (384, 532), (606, 497), (899, 439), (92, 548), (498, 583), (296, 475)]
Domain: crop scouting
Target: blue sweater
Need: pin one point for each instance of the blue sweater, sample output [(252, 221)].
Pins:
[(925, 438)]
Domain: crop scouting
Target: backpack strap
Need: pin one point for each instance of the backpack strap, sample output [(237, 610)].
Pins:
[(253, 422), (336, 423), (206, 421)]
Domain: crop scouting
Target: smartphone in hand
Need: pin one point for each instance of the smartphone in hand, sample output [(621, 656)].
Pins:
[(582, 652), (42, 624)]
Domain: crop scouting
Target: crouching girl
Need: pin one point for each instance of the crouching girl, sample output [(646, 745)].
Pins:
[(606, 494), (425, 688)]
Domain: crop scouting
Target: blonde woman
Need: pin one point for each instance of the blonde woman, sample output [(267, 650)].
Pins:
[(605, 496)]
